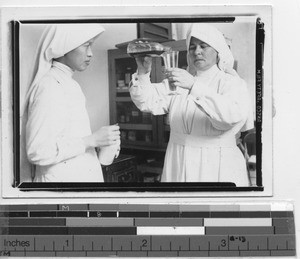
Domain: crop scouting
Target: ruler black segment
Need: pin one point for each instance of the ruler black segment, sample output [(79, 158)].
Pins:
[(282, 214), (37, 231), (134, 214), (15, 214), (43, 214), (101, 214), (224, 214), (255, 214), (169, 222), (195, 214), (164, 214), (238, 230), (102, 231), (67, 207), (284, 225), (36, 222), (283, 230), (71, 214)]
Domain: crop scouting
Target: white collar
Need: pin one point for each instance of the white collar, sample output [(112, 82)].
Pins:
[(62, 67), (209, 72)]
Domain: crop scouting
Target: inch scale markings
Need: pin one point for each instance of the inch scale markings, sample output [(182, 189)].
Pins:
[(126, 231), (149, 245)]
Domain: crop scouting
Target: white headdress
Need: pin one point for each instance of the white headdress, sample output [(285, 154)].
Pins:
[(213, 37), (55, 42)]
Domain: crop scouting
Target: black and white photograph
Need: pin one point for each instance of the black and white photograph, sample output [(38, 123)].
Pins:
[(149, 103), (181, 97)]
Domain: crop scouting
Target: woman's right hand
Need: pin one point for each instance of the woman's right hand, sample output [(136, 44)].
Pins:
[(144, 65), (105, 136)]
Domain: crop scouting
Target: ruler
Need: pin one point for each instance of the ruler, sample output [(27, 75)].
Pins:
[(147, 230)]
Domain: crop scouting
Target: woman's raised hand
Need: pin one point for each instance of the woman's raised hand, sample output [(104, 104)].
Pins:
[(107, 135), (144, 65), (180, 78)]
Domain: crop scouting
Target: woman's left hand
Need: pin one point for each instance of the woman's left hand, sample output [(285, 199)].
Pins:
[(180, 78)]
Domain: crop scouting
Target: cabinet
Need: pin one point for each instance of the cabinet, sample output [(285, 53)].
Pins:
[(139, 131), (123, 169)]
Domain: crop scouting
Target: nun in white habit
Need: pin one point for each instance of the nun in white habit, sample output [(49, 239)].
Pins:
[(59, 141), (211, 108)]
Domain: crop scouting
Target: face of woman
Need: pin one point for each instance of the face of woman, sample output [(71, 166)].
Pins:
[(79, 58), (202, 55)]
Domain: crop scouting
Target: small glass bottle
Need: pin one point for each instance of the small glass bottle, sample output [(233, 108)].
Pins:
[(135, 116), (148, 136), (132, 135), (127, 76)]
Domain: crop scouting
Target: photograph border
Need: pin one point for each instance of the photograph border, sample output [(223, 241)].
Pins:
[(172, 187), (164, 187)]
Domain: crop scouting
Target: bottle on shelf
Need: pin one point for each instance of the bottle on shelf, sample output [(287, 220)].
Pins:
[(148, 136), (121, 84), (127, 115), (120, 113), (135, 116), (122, 118), (128, 76), (132, 135)]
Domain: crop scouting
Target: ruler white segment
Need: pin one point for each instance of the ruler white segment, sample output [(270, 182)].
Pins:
[(170, 231), (237, 222), (282, 206)]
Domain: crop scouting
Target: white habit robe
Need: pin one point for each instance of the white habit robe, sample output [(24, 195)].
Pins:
[(204, 123), (57, 122)]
